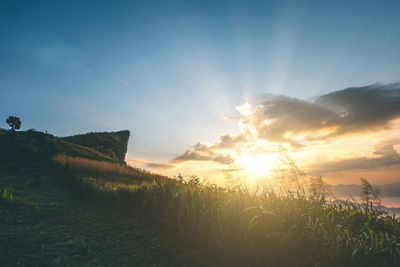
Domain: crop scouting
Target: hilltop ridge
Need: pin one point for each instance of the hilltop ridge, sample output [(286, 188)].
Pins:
[(35, 145)]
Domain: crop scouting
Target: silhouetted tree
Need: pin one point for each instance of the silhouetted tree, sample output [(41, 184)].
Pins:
[(14, 123)]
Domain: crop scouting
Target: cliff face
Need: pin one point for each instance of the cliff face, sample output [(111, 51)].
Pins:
[(113, 144)]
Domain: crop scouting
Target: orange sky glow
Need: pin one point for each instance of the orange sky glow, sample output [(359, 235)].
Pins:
[(343, 136)]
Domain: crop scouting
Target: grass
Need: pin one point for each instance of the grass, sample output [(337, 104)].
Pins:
[(295, 224), (237, 226), (47, 224), (106, 169)]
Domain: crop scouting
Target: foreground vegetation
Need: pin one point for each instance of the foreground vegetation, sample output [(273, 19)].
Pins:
[(243, 227), (45, 223)]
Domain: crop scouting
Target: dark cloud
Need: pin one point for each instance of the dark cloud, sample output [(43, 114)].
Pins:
[(352, 164), (201, 152), (385, 152), (280, 115), (352, 110), (364, 108)]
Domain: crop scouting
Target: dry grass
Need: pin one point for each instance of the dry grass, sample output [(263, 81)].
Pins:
[(103, 168)]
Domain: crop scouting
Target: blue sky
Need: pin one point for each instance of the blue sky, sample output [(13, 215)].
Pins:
[(170, 71)]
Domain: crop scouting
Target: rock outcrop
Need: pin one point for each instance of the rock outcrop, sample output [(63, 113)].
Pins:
[(113, 144)]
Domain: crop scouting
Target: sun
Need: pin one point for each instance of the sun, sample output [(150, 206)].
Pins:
[(259, 164)]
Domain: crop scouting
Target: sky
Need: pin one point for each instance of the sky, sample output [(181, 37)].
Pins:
[(213, 87)]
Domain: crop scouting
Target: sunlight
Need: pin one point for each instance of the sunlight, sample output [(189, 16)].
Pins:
[(260, 164)]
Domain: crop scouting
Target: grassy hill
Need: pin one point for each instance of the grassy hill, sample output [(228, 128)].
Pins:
[(34, 145), (89, 210), (47, 221)]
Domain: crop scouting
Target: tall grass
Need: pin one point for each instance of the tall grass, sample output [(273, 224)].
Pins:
[(104, 168), (237, 226)]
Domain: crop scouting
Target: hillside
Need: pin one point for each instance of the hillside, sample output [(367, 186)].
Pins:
[(34, 145), (50, 223), (47, 220)]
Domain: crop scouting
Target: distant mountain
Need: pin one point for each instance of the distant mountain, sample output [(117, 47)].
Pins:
[(34, 145), (354, 190), (392, 211), (389, 192)]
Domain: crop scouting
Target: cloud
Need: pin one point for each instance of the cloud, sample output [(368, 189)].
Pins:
[(385, 154), (281, 120), (202, 152), (227, 141), (282, 115), (386, 148), (157, 165), (358, 109), (364, 108)]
